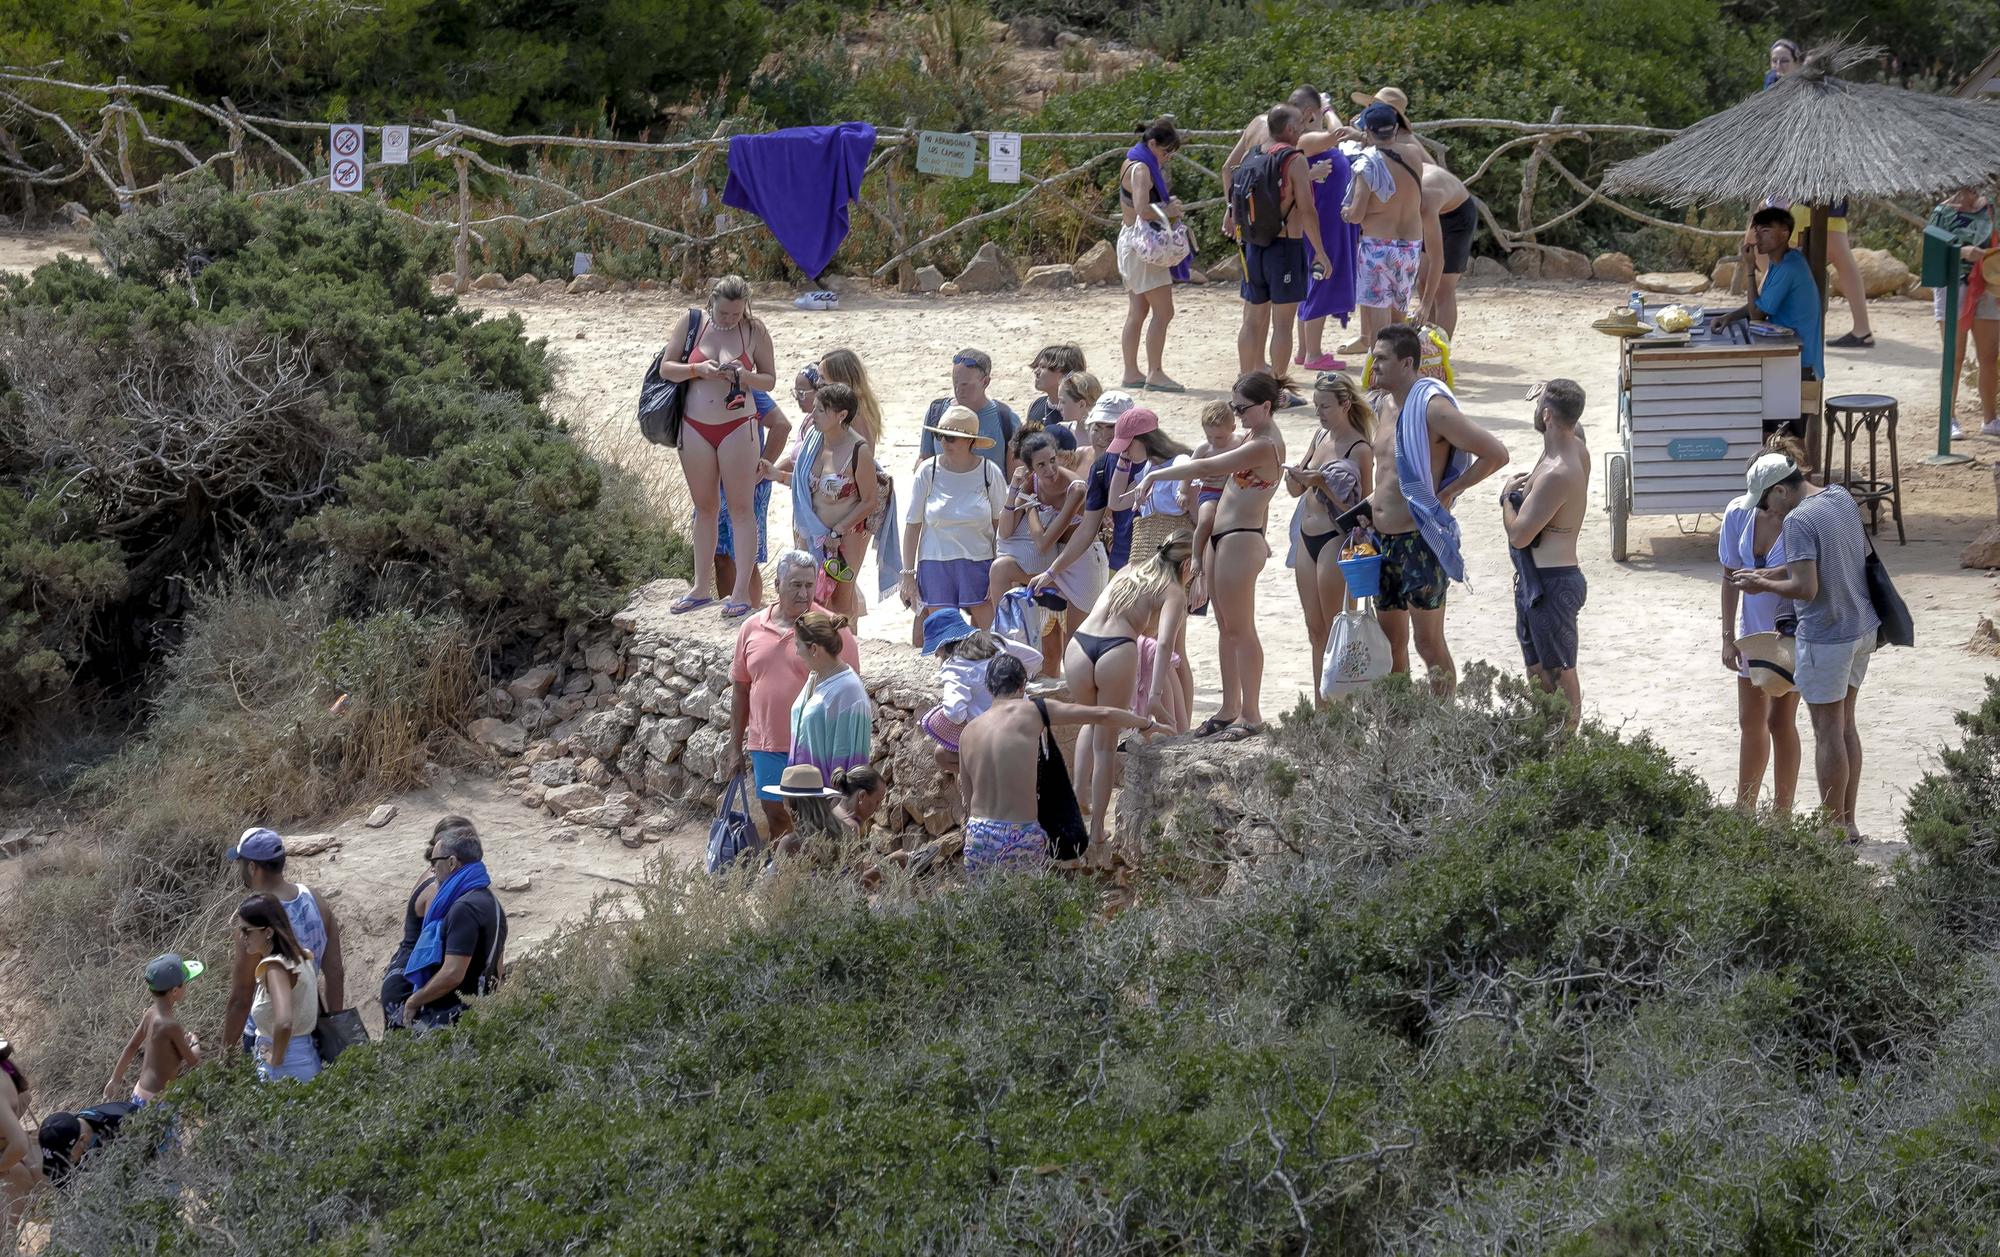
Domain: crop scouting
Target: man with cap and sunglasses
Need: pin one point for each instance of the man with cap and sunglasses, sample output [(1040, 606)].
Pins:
[(971, 372), (1825, 577), (259, 856)]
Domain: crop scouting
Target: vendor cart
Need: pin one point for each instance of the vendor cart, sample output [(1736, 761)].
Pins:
[(1692, 410)]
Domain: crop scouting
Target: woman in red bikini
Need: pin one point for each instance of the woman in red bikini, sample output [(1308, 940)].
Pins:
[(732, 358), (1237, 550)]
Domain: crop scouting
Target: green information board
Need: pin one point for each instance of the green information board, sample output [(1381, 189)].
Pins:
[(943, 153)]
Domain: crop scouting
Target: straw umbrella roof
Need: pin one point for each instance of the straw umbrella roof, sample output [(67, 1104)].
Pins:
[(1815, 137)]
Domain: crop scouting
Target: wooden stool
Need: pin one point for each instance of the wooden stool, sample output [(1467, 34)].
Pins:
[(1846, 416)]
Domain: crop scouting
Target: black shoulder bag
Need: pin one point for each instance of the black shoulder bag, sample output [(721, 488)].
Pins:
[(662, 402), (1056, 810), (1897, 628)]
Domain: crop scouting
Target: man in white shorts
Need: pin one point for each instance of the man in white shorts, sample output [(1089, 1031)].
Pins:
[(1826, 551)]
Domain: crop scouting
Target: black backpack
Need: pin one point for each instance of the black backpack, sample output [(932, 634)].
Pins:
[(1257, 195)]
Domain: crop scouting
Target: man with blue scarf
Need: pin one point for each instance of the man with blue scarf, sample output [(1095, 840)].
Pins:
[(462, 947), (1427, 454)]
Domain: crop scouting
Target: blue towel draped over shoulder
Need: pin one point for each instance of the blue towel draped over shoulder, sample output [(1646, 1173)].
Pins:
[(889, 544), (428, 955), (799, 181), (1413, 471), (1162, 191)]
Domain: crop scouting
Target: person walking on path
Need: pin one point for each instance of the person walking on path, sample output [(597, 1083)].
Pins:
[(161, 1045), (1542, 509), (732, 358), (1149, 289), (1767, 725), (1826, 551), (396, 985), (1427, 454), (766, 675), (286, 1008), (259, 856), (999, 761), (1337, 472), (462, 947), (832, 722), (1251, 472)]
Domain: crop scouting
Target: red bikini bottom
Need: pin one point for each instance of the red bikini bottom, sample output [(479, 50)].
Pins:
[(716, 433)]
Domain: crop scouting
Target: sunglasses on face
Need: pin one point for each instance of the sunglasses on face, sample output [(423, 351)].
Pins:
[(962, 361), (1238, 408)]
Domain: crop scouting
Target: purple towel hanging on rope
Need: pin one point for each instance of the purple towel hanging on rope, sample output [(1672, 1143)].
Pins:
[(799, 181)]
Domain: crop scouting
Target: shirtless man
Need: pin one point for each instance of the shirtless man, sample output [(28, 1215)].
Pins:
[(998, 756), (1542, 510), (1313, 116), (1415, 577), (1451, 219), (1392, 228), (1275, 275)]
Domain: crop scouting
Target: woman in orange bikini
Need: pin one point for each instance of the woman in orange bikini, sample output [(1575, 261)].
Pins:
[(732, 358), (1236, 549)]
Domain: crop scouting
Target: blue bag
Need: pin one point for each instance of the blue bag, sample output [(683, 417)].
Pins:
[(1015, 617), (732, 832)]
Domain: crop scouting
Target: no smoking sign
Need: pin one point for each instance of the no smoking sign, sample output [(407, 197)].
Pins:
[(345, 174)]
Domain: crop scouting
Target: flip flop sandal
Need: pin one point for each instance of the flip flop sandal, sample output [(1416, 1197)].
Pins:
[(1133, 386), (735, 610), (1240, 733), (687, 603), (1168, 387), (840, 569), (1851, 341), (1212, 726)]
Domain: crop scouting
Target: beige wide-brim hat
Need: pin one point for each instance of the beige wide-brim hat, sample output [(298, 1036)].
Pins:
[(961, 422), (1390, 96), (1770, 658), (1989, 267), (1620, 322)]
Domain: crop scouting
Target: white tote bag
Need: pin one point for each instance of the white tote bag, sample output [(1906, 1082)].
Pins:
[(1357, 655)]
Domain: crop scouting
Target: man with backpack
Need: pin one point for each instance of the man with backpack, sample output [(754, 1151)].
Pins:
[(1271, 206), (1387, 201)]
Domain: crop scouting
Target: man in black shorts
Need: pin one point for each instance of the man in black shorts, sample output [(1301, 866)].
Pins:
[(1451, 220), (1275, 274), (1542, 509)]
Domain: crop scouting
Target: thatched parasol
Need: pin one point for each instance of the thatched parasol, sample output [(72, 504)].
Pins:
[(1816, 138)]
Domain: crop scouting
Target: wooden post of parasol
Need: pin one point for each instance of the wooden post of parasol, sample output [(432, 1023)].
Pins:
[(1816, 263)]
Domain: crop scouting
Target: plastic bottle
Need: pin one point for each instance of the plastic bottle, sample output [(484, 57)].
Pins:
[(1638, 304)]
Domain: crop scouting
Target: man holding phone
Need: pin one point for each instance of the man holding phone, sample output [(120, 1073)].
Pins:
[(1788, 296)]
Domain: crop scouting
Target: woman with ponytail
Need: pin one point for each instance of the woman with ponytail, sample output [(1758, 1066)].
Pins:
[(832, 725)]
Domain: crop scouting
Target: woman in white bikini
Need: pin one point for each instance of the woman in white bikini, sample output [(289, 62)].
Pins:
[(1148, 598), (1236, 548), (1338, 471), (731, 359)]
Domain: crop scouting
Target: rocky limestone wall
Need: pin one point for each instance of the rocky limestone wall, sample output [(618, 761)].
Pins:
[(611, 729)]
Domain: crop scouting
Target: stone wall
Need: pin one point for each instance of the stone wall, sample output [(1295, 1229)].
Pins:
[(614, 727)]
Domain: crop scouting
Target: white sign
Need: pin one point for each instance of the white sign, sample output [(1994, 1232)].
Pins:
[(1003, 162), (580, 265), (345, 161), (395, 146)]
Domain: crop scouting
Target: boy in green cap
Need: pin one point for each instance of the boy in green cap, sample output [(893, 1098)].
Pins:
[(168, 1050)]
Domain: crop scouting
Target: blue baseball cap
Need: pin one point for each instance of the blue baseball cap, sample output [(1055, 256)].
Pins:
[(164, 973), (947, 624), (1379, 118), (258, 843)]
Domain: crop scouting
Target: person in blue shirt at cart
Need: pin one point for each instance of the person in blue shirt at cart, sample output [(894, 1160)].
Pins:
[(1788, 296)]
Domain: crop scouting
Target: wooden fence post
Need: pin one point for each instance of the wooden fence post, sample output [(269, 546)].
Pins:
[(235, 145), (1528, 174), (123, 108), (461, 247)]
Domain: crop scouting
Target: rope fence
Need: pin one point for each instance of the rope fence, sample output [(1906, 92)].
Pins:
[(103, 150)]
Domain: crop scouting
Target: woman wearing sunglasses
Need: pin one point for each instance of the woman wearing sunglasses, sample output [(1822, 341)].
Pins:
[(286, 1010), (1236, 549)]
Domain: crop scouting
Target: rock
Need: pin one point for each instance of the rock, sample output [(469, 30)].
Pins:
[(1679, 283), (497, 702), (1050, 277), (929, 279), (381, 816), (490, 281), (1098, 265), (591, 283), (989, 271), (1723, 277), (502, 736), (1196, 275), (1920, 293), (1612, 268), (554, 772), (534, 796), (566, 799), (516, 885), (578, 683), (647, 284), (74, 214), (1565, 264), (602, 657), (950, 288), (1982, 551), (710, 703), (1483, 269), (594, 772), (611, 814), (704, 750), (631, 838), (525, 283), (1882, 273), (1032, 30), (309, 846), (551, 288), (1229, 270), (534, 683), (650, 696), (445, 280), (1985, 639), (533, 715), (602, 733), (664, 743)]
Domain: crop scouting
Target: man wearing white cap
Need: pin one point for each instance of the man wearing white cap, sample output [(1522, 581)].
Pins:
[(1826, 551), (259, 856)]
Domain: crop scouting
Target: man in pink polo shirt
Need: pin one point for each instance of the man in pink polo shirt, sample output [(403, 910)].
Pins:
[(768, 675)]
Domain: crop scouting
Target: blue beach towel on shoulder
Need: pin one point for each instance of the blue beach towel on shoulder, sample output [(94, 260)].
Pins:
[(799, 181), (1413, 469)]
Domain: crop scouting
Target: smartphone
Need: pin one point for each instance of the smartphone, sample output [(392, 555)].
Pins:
[(1360, 512)]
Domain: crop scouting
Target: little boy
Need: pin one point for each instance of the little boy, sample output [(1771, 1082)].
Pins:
[(168, 1050)]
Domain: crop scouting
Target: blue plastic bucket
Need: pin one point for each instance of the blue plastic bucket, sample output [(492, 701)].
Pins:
[(1363, 575)]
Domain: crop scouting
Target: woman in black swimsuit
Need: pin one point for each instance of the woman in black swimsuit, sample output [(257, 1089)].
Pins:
[(1249, 473), (1148, 598), (1337, 471)]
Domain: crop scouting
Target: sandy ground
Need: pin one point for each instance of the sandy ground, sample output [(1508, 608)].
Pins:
[(1649, 660)]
